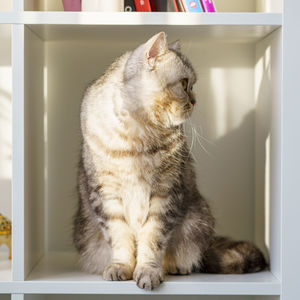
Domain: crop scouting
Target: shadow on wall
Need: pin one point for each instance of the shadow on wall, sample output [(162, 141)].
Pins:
[(239, 170)]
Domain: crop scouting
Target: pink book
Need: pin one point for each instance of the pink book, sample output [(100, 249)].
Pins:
[(208, 5)]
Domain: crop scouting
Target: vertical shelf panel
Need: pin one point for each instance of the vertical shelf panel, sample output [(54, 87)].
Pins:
[(268, 101), (290, 150), (35, 119), (18, 188), (18, 5)]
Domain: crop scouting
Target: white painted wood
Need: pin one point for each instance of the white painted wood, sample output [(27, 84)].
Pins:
[(17, 297), (34, 149), (145, 297), (122, 18), (59, 273), (18, 187), (290, 152), (268, 98), (45, 32), (126, 34), (18, 5)]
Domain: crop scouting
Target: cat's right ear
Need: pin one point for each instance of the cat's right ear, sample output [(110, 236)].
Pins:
[(175, 46), (156, 47)]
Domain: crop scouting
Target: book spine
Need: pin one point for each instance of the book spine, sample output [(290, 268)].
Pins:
[(180, 6), (192, 5), (129, 5), (153, 6), (142, 5), (208, 5), (164, 5), (176, 8)]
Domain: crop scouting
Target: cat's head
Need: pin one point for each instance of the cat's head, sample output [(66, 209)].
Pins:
[(158, 82)]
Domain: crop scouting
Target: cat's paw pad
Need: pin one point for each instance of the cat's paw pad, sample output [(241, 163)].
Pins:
[(117, 272), (148, 278)]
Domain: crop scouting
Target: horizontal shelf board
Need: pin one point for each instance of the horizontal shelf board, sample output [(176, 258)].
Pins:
[(126, 34), (60, 273), (138, 18)]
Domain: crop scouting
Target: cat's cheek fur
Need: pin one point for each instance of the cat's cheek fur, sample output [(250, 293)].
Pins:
[(169, 111)]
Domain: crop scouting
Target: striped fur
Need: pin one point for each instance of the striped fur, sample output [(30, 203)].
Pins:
[(140, 214)]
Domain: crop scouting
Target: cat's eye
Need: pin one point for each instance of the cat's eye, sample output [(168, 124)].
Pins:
[(185, 83)]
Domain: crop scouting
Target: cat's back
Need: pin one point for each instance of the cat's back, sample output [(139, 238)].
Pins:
[(103, 94)]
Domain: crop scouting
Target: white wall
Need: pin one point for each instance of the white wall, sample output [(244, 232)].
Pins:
[(5, 5)]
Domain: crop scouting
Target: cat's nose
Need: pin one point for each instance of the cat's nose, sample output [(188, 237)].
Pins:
[(192, 99)]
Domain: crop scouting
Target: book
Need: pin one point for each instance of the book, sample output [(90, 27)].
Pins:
[(129, 5), (208, 5), (192, 5), (99, 5), (142, 5), (164, 5), (180, 6)]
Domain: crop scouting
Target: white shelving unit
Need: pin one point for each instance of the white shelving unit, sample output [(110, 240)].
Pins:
[(246, 64)]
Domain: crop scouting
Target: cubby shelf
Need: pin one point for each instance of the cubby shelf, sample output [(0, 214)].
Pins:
[(245, 62)]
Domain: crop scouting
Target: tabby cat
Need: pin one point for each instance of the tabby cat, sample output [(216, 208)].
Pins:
[(140, 214)]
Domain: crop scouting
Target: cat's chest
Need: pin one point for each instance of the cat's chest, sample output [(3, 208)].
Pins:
[(137, 191)]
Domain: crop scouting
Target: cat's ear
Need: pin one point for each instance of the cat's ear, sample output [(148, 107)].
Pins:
[(156, 47), (175, 46)]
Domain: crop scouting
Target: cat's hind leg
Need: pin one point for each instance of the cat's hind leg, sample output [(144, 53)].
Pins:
[(188, 243)]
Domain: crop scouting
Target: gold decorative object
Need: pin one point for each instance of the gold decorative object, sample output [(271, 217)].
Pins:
[(5, 233)]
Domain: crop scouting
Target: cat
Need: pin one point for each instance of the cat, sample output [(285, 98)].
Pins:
[(140, 213)]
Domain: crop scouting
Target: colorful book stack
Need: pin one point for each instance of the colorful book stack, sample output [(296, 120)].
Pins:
[(140, 5), (170, 5)]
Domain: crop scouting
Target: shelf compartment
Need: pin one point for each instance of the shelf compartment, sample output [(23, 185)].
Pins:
[(59, 273), (237, 88)]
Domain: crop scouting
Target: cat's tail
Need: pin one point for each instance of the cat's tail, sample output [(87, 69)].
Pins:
[(226, 256)]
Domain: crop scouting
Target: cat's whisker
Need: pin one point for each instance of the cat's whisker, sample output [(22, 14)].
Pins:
[(199, 141), (198, 137)]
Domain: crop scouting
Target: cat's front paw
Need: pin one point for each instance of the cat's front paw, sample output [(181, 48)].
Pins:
[(148, 278), (117, 272)]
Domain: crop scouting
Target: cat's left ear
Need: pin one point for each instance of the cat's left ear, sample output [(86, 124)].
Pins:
[(156, 47)]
